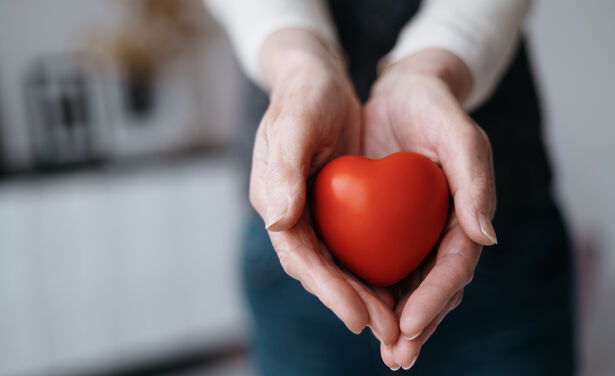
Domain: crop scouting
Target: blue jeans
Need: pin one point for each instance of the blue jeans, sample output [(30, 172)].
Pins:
[(515, 319)]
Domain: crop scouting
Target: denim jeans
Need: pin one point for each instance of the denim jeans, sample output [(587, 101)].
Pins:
[(516, 317)]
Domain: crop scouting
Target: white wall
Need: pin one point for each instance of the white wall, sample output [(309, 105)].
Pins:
[(30, 29), (574, 48), (194, 100)]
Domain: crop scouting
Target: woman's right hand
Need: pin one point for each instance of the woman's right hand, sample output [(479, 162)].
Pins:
[(313, 117)]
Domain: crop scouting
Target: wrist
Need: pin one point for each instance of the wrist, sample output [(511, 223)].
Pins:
[(291, 52), (435, 63)]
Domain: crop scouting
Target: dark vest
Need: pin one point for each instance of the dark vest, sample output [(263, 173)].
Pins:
[(368, 29)]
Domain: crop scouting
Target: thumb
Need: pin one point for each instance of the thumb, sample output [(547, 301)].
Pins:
[(468, 166), (286, 193), (288, 163)]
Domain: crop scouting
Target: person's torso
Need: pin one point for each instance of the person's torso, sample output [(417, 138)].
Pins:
[(368, 29)]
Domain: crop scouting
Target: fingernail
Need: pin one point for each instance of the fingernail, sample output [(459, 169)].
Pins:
[(276, 211), (394, 369), (411, 363), (357, 332), (487, 228), (274, 221), (274, 215), (410, 338)]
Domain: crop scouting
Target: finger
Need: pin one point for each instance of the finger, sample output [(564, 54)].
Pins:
[(291, 141), (411, 283), (379, 302), (297, 250), (453, 269), (431, 328), (406, 352), (386, 353), (258, 174), (382, 321), (467, 162), (385, 296), (283, 151)]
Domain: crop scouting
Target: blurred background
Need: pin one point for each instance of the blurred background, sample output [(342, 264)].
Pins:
[(121, 201)]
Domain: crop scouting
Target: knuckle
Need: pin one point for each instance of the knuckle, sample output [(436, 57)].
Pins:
[(482, 137), (468, 276), (270, 117), (257, 183), (278, 172), (306, 287), (485, 143), (255, 193), (252, 196), (478, 142), (285, 261), (464, 269), (458, 299), (262, 132)]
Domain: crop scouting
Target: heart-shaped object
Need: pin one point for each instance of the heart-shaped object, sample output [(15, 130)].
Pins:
[(382, 217)]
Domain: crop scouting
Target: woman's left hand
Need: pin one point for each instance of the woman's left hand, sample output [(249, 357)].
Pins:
[(415, 105)]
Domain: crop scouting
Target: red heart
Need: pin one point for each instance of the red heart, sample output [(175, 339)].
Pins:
[(380, 218)]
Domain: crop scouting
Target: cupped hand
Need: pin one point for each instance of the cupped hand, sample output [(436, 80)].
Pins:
[(415, 105), (313, 116)]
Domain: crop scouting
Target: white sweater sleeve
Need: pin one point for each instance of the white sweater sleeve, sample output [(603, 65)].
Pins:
[(249, 22), (483, 33)]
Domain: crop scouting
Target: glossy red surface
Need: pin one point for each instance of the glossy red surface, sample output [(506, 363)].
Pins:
[(382, 217)]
